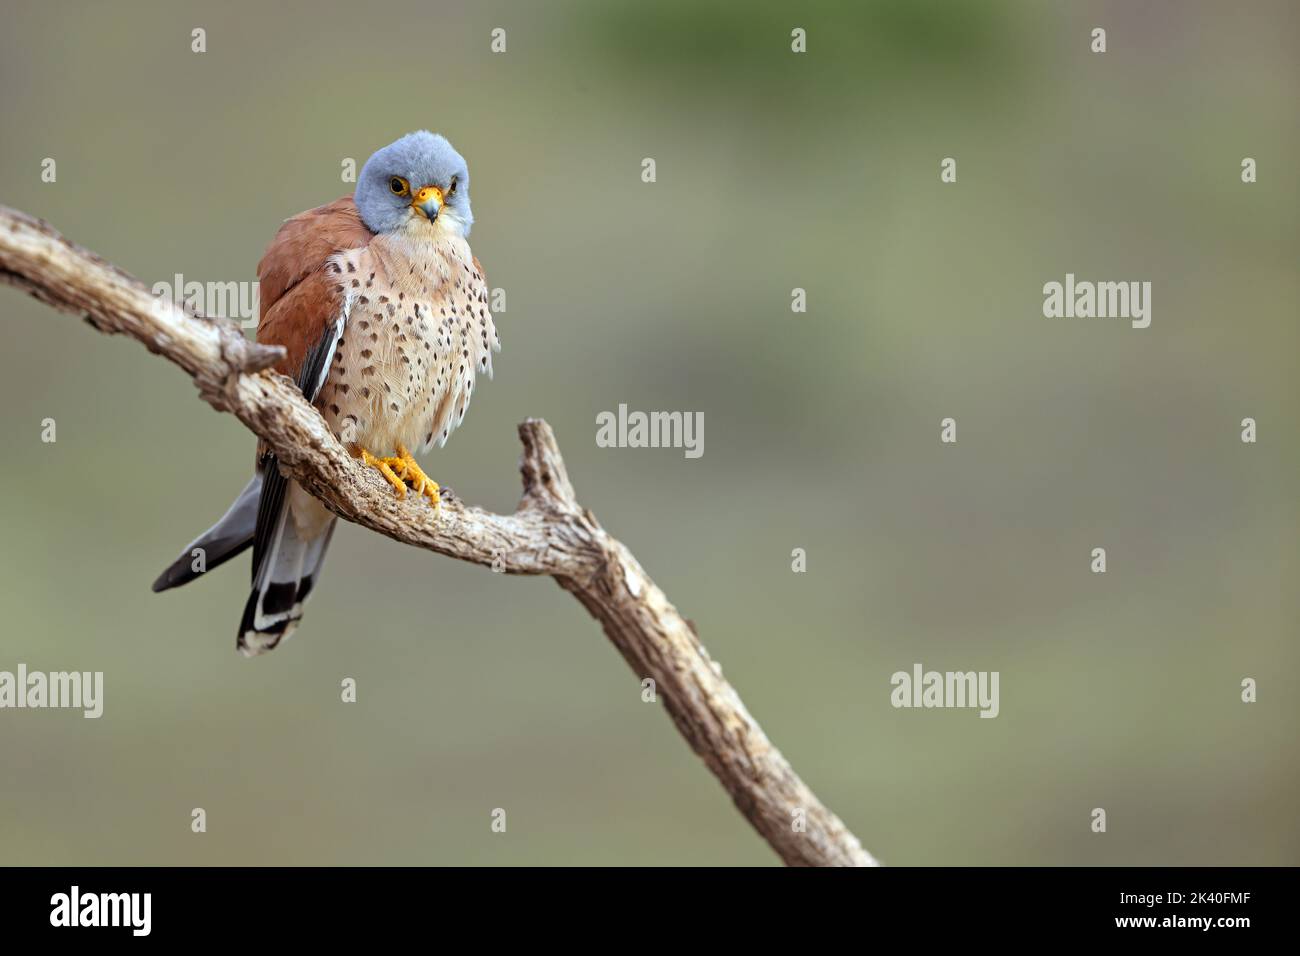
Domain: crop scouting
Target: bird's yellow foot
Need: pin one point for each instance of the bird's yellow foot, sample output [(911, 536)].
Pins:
[(411, 471), (385, 469), (403, 467)]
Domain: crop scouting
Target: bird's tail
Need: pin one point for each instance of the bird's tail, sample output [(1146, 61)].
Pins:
[(286, 565), (286, 561), (225, 539)]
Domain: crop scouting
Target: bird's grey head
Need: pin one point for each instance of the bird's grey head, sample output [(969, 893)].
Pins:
[(418, 184)]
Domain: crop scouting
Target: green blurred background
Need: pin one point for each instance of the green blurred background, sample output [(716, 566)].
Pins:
[(775, 171)]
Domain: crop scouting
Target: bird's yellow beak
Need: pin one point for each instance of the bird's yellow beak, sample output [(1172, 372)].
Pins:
[(427, 201)]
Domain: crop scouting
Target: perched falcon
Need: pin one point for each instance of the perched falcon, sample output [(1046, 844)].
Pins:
[(383, 311)]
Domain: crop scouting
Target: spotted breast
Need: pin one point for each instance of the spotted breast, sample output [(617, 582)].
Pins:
[(416, 331)]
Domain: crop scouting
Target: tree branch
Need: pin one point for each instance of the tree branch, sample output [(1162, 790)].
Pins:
[(549, 533)]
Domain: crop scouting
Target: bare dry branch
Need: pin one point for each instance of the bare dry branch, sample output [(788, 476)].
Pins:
[(549, 533)]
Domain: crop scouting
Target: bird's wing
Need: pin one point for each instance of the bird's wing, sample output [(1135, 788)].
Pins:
[(271, 503), (304, 310), (299, 302)]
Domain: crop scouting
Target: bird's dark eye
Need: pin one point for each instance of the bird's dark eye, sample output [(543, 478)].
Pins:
[(452, 188), (398, 185)]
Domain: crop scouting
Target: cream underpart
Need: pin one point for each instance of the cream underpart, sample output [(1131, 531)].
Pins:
[(416, 332)]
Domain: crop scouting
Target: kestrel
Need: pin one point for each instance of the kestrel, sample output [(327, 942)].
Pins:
[(383, 311)]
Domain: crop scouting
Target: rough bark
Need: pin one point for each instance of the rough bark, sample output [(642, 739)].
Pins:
[(549, 533)]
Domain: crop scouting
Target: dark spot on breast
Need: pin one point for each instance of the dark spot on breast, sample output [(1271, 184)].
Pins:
[(351, 267)]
